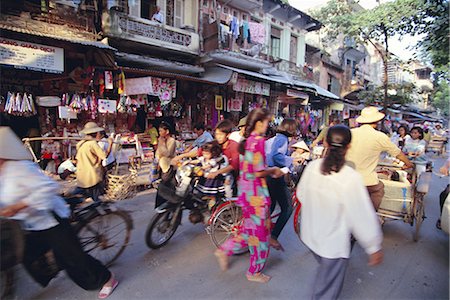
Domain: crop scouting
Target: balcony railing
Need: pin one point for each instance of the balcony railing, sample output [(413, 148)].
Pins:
[(119, 25)]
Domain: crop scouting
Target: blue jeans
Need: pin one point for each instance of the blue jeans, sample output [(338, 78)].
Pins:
[(279, 193)]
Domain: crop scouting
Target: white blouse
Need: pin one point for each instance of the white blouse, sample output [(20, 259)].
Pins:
[(24, 181), (334, 207)]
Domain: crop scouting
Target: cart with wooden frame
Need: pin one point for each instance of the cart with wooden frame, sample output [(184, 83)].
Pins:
[(403, 199)]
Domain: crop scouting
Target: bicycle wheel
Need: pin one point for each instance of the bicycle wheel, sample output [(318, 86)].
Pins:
[(297, 211), (419, 216), (161, 229), (105, 236), (225, 224)]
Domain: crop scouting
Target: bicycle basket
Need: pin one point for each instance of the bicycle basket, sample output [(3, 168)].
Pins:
[(120, 187)]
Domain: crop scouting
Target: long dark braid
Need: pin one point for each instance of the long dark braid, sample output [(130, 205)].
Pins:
[(258, 114), (338, 138)]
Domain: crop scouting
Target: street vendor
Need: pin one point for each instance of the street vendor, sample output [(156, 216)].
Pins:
[(89, 162)]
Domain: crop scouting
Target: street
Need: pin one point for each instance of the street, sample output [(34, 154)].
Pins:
[(187, 269)]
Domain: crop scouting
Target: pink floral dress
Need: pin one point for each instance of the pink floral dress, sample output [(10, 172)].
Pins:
[(255, 202)]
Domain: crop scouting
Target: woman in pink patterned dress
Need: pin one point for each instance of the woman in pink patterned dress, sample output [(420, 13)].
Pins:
[(254, 199)]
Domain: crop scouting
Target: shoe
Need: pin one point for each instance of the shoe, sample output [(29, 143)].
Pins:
[(438, 224), (259, 277), (107, 290)]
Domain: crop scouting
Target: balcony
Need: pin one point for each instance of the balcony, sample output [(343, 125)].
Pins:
[(121, 26), (245, 5), (352, 81)]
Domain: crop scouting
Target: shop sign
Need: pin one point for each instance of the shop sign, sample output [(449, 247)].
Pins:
[(138, 86), (30, 56), (337, 106), (235, 105), (65, 112), (107, 106), (297, 94), (252, 87)]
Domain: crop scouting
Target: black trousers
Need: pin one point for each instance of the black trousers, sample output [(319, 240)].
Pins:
[(83, 269), (279, 193)]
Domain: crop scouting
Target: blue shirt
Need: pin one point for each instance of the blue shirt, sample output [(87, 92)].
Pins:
[(277, 152), (203, 139)]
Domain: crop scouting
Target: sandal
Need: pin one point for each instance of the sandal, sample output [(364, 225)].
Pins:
[(276, 244), (438, 224), (259, 277), (107, 290), (222, 258)]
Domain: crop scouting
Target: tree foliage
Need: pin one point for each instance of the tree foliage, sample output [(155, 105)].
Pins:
[(404, 94)]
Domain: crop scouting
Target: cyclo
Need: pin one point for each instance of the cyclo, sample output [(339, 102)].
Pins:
[(404, 195)]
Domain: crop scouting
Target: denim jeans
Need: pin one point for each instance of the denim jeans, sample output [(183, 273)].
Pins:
[(279, 193)]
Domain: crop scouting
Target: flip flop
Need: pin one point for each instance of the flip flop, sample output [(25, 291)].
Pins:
[(107, 290), (276, 245), (259, 277)]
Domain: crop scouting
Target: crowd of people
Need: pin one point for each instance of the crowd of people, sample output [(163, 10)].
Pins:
[(245, 163)]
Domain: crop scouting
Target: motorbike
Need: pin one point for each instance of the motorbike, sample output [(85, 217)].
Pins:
[(178, 193)]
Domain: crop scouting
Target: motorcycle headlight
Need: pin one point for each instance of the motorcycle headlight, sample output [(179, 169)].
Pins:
[(185, 171)]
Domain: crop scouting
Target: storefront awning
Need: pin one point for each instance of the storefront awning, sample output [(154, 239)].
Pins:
[(72, 40), (140, 61), (277, 79), (213, 75)]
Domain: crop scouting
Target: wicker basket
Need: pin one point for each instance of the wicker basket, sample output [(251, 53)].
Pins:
[(121, 186)]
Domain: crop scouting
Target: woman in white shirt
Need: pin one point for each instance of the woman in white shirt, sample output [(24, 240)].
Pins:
[(335, 206), (30, 197)]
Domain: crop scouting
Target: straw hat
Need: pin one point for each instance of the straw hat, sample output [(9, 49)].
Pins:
[(11, 147), (369, 115), (301, 145), (242, 122), (91, 127)]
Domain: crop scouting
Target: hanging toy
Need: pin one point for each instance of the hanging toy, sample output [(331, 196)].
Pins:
[(93, 106), (121, 83), (121, 107), (75, 104), (8, 103), (64, 99), (18, 104), (128, 101)]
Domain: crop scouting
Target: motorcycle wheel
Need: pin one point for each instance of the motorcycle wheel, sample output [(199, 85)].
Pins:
[(161, 229)]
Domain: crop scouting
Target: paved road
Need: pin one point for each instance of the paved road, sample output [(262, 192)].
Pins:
[(187, 269)]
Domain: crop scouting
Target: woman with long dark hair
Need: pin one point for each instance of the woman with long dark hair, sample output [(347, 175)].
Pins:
[(278, 156), (336, 205), (253, 198)]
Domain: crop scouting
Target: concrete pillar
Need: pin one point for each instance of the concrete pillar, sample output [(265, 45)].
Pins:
[(285, 44)]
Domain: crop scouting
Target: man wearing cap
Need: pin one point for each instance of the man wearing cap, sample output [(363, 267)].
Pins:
[(89, 162), (365, 149), (238, 135)]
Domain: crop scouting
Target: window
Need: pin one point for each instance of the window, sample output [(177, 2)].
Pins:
[(178, 16), (148, 8), (275, 42)]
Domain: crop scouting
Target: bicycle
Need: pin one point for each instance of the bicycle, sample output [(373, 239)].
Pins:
[(103, 230)]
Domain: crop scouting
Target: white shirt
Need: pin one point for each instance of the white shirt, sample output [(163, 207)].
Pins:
[(67, 165), (104, 144), (334, 207), (236, 136), (24, 181), (158, 17)]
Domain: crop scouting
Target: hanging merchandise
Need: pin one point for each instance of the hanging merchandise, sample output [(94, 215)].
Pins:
[(158, 110), (65, 99), (121, 107), (121, 83), (75, 103), (19, 105), (93, 105), (101, 84), (108, 80), (106, 106), (151, 111)]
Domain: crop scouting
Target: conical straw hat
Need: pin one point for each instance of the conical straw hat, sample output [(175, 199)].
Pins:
[(11, 147)]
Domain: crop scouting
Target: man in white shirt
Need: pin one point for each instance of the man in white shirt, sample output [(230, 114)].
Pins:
[(238, 136), (158, 16)]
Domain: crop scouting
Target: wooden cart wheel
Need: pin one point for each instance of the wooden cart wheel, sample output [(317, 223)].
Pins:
[(419, 215)]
